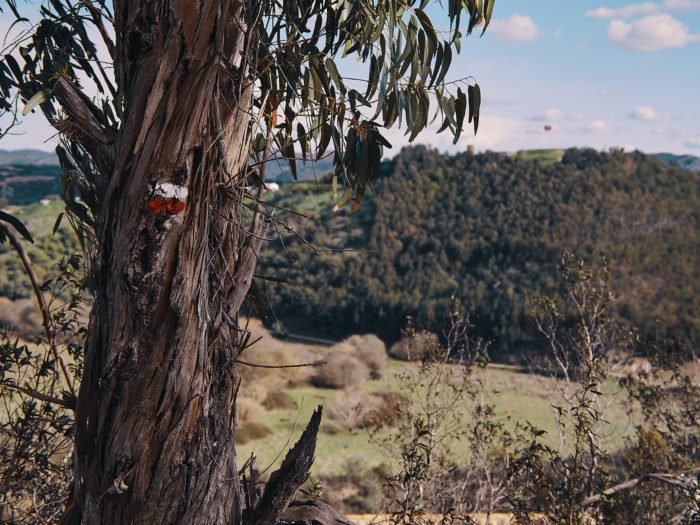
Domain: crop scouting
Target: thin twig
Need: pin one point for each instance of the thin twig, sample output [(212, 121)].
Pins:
[(670, 479), (42, 397), (96, 15), (300, 365), (45, 314)]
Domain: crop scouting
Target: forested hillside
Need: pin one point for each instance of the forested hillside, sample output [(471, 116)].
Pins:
[(489, 230)]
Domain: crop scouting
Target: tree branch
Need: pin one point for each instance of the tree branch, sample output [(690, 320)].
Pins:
[(45, 314), (97, 20), (255, 365), (87, 122), (67, 404), (284, 483), (670, 479), (244, 274)]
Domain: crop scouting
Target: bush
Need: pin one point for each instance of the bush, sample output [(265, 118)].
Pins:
[(251, 431), (354, 409), (414, 347), (341, 371), (248, 410), (370, 350), (279, 400), (384, 410), (270, 352), (350, 407), (358, 491)]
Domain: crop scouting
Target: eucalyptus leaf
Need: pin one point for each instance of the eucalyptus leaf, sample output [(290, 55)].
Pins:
[(17, 225), (38, 98)]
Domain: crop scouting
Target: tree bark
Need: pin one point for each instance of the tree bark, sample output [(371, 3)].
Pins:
[(156, 408)]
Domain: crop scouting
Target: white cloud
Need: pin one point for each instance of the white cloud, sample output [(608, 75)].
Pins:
[(516, 28), (599, 126), (693, 143), (651, 33), (649, 114), (644, 8), (644, 113), (550, 115), (496, 132), (627, 11), (556, 115)]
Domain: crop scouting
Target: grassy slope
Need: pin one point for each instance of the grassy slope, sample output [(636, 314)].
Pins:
[(517, 396)]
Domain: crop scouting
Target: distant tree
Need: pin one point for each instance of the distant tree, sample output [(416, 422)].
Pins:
[(159, 180)]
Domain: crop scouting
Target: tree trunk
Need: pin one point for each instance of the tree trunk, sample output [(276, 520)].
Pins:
[(156, 409)]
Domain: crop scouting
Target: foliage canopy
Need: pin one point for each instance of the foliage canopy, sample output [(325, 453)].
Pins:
[(490, 229), (305, 108)]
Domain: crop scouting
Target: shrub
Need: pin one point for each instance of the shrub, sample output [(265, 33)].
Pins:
[(248, 410), (359, 490), (279, 400), (251, 431), (354, 408), (270, 352), (384, 409), (341, 371), (414, 347), (350, 407), (370, 350)]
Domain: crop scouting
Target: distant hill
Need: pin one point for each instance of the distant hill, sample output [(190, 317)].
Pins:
[(688, 162), (28, 156), (29, 175), (489, 229)]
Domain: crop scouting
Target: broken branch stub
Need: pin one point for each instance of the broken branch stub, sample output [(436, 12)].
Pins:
[(283, 484)]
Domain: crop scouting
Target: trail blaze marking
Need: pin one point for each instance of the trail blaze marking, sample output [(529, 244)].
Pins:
[(165, 206), (168, 198)]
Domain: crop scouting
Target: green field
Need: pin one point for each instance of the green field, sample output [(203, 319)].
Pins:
[(518, 396)]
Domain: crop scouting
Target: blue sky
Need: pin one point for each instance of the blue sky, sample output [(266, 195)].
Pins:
[(601, 73)]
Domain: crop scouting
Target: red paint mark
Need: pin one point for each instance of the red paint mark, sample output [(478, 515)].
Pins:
[(172, 206)]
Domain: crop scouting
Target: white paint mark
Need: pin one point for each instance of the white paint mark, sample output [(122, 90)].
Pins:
[(166, 190)]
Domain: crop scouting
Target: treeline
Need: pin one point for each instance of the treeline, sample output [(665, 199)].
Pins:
[(488, 230)]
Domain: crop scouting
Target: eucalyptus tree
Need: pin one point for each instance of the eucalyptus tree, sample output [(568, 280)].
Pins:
[(164, 170)]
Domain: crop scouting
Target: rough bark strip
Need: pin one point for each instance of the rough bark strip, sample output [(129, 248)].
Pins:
[(283, 484)]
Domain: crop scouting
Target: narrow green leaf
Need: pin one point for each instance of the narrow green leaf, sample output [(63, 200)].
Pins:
[(477, 106), (460, 110), (17, 225), (344, 199), (290, 155), (488, 11), (301, 135), (57, 224), (324, 140), (335, 75), (470, 91)]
